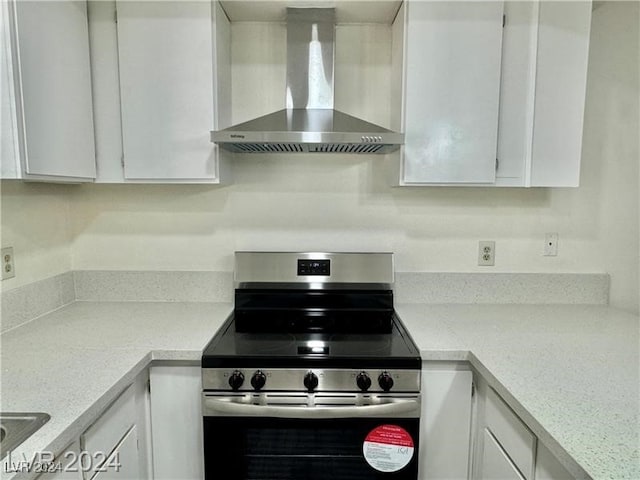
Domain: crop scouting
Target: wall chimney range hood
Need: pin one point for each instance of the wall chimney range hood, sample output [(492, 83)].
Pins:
[(309, 123)]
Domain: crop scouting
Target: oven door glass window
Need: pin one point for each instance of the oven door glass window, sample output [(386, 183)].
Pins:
[(298, 449)]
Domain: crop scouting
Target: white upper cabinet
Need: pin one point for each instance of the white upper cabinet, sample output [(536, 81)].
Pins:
[(493, 92), (561, 85), (452, 61), (45, 79), (166, 85), (544, 78)]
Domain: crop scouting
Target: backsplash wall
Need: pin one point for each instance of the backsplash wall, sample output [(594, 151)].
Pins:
[(344, 203), (35, 221)]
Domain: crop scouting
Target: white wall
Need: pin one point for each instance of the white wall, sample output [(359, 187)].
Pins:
[(343, 203), (611, 143), (35, 222)]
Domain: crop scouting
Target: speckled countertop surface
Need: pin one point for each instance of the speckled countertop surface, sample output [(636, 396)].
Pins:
[(74, 362), (570, 371)]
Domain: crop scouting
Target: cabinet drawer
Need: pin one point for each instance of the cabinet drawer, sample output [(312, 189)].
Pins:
[(107, 432), (513, 435)]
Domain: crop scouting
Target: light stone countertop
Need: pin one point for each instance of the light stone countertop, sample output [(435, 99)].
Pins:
[(74, 362), (571, 372)]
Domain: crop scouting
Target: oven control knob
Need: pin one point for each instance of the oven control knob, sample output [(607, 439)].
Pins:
[(258, 380), (363, 381), (385, 381), (310, 381), (236, 379)]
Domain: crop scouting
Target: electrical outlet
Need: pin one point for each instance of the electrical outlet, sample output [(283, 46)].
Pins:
[(550, 244), (486, 253), (8, 265)]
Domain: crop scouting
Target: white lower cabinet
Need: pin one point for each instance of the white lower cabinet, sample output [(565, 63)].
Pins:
[(505, 448), (176, 416), (123, 462), (66, 466), (496, 464), (116, 445), (511, 433), (100, 440), (445, 426), (548, 467)]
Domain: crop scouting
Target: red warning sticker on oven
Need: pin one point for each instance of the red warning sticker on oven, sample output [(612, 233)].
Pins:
[(388, 448)]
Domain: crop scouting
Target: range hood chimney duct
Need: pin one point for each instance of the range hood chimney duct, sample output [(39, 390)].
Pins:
[(310, 57), (309, 123)]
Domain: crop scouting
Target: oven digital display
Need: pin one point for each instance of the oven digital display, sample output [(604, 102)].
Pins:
[(314, 267)]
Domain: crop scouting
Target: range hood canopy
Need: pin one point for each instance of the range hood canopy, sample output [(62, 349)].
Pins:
[(309, 123)]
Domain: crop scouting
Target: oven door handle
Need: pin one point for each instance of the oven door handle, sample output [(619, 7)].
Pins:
[(401, 408)]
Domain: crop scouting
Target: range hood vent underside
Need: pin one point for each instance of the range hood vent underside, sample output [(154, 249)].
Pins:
[(305, 148)]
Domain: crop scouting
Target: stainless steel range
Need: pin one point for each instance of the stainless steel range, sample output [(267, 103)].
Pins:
[(313, 376)]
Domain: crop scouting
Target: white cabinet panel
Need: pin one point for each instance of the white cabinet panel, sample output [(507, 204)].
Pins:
[(511, 432), (452, 62), (496, 464), (167, 89), (548, 467), (491, 105), (542, 97), (446, 422), (103, 37), (121, 435), (561, 82), (8, 127), (111, 427), (517, 89), (122, 464), (52, 90), (66, 465), (176, 416)]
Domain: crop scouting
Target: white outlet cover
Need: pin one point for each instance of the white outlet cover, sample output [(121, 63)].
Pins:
[(8, 263), (486, 253)]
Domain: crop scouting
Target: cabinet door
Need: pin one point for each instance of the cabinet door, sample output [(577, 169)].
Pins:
[(514, 436), (68, 463), (496, 464), (452, 68), (167, 89), (517, 90), (10, 161), (107, 432), (561, 83), (543, 86), (176, 416), (446, 422), (123, 463), (53, 89)]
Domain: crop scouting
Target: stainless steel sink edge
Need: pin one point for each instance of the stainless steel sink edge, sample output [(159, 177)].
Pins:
[(16, 427)]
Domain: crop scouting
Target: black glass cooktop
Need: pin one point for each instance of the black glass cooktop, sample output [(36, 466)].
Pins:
[(232, 349)]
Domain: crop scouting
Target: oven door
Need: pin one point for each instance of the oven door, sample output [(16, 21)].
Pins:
[(311, 437)]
